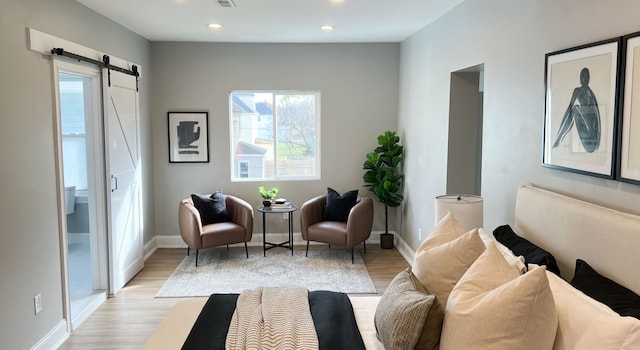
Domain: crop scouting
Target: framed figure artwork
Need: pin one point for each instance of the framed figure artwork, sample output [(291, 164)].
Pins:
[(188, 137), (580, 119), (629, 154)]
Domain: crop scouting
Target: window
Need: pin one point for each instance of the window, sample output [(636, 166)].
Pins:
[(274, 135), (73, 92), (244, 169)]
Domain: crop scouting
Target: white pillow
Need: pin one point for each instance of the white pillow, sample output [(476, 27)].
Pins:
[(585, 323), (513, 260), (494, 307)]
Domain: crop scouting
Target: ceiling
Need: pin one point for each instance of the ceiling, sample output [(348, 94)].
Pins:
[(283, 21)]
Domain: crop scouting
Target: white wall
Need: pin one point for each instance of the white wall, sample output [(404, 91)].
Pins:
[(510, 38), (359, 88), (30, 250)]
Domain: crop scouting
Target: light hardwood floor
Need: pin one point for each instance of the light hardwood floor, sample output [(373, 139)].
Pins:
[(127, 320)]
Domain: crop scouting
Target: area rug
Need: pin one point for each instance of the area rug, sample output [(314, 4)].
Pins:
[(222, 271)]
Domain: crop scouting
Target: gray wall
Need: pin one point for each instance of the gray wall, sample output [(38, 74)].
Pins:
[(30, 250), (359, 88), (510, 38)]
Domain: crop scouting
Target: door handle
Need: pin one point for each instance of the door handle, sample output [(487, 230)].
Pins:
[(114, 183)]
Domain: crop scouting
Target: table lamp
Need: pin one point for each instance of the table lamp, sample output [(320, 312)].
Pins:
[(465, 208)]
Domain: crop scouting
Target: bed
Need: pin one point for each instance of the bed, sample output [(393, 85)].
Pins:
[(567, 228)]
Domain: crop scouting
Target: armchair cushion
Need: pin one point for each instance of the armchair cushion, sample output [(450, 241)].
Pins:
[(212, 209), (338, 206)]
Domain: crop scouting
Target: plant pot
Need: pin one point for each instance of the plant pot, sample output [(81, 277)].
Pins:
[(266, 203), (386, 240)]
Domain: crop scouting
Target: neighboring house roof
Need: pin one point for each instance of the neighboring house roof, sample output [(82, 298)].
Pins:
[(264, 108), (240, 106), (247, 148)]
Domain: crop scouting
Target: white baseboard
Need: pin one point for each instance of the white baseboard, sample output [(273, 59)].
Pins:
[(175, 241), (149, 248), (169, 241), (96, 301), (54, 339), (404, 250)]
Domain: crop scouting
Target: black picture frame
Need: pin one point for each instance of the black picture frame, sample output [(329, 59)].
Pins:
[(628, 169), (188, 135), (581, 108)]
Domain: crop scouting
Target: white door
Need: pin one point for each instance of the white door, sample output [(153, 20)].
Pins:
[(122, 146)]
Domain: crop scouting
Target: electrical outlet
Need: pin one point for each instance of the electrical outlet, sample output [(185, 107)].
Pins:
[(420, 233), (285, 216), (37, 303)]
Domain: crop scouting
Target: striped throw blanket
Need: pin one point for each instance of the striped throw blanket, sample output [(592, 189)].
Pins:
[(272, 318)]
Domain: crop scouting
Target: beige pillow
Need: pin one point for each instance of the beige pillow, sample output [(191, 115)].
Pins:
[(516, 261), (493, 307), (438, 269), (402, 311), (585, 323), (445, 231)]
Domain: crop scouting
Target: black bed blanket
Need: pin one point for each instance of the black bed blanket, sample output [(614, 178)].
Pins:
[(332, 315)]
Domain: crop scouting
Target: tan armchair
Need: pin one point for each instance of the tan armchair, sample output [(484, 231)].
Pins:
[(356, 230), (196, 236)]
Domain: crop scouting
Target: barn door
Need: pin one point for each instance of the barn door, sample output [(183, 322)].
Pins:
[(123, 167)]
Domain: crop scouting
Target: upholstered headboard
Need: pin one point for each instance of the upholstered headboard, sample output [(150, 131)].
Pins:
[(569, 228)]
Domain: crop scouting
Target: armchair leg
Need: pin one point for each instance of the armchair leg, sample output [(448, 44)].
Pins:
[(351, 255), (227, 247), (364, 244), (307, 253), (188, 250), (246, 250), (196, 257)]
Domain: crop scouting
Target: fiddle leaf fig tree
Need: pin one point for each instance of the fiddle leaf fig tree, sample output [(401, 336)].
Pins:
[(383, 174)]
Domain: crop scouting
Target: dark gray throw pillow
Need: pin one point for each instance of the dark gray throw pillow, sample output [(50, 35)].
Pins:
[(338, 206), (212, 209), (520, 246), (619, 298)]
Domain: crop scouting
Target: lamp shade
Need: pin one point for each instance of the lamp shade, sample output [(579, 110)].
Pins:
[(465, 208)]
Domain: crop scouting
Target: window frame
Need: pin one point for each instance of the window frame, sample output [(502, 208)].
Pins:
[(318, 123)]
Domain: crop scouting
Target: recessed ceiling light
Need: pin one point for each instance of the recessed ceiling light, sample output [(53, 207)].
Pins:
[(327, 28), (215, 26), (336, 1)]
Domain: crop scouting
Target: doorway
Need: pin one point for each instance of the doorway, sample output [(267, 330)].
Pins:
[(464, 163), (80, 150)]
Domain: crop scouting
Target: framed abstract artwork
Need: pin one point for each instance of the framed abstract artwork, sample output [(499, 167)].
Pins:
[(629, 154), (580, 119), (188, 137)]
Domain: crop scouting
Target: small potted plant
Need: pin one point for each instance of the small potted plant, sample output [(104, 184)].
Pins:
[(267, 195)]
